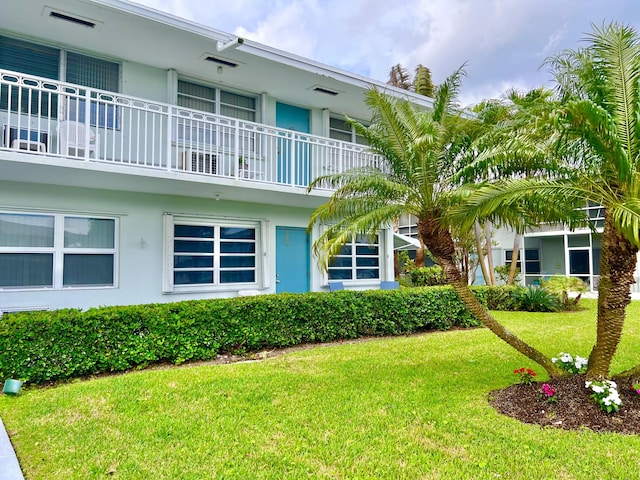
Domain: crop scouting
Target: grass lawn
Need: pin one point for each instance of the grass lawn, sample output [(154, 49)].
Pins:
[(408, 407)]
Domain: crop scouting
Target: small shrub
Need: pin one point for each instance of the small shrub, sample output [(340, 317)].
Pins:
[(570, 364), (500, 297), (562, 286), (548, 393), (428, 276), (526, 376), (536, 299), (605, 395), (503, 272)]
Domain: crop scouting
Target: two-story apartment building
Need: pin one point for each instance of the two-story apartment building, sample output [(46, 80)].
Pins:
[(146, 158)]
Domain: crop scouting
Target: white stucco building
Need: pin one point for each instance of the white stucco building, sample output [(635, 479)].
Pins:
[(146, 158)]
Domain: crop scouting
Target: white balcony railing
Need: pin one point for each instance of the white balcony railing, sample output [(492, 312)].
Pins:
[(47, 117)]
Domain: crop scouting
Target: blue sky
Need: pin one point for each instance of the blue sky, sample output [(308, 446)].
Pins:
[(504, 42)]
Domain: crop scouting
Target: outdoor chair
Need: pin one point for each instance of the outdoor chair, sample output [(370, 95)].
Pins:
[(72, 136)]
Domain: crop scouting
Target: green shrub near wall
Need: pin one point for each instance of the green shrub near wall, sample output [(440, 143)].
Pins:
[(428, 276), (55, 345)]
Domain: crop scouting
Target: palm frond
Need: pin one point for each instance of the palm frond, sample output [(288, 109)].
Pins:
[(521, 203), (447, 93), (617, 48)]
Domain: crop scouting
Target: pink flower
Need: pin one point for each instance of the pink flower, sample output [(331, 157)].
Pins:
[(548, 390)]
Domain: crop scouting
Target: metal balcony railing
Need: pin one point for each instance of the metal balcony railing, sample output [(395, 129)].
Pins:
[(47, 117)]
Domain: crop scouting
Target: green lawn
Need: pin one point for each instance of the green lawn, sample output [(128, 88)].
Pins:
[(408, 407)]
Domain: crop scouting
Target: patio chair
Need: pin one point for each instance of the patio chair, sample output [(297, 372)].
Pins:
[(72, 137)]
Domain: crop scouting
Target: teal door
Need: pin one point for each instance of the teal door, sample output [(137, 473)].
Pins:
[(292, 260), (293, 154)]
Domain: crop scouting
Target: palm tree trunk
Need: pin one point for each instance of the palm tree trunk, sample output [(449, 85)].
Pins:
[(420, 255), (440, 244), (487, 241), (617, 265), (514, 259), (478, 234)]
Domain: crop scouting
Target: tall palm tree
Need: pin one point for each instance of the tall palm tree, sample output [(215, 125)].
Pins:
[(421, 83), (595, 129), (421, 153)]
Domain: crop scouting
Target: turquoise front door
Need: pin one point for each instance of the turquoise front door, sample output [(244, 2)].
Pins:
[(292, 260), (293, 154)]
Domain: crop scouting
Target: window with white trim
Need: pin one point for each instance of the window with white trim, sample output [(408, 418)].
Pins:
[(341, 129), (531, 260), (213, 100), (206, 253), (44, 61), (57, 251), (357, 260)]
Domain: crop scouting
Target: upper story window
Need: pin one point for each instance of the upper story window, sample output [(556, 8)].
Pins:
[(56, 251), (340, 129), (357, 260), (43, 61), (213, 100), (48, 62)]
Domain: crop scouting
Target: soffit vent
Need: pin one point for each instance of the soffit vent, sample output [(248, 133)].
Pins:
[(326, 91), (220, 61), (71, 18)]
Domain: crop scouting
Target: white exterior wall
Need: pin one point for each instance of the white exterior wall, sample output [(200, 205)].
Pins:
[(144, 82), (140, 243)]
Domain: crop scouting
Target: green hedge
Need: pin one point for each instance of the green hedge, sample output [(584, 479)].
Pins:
[(501, 297), (54, 345), (428, 276)]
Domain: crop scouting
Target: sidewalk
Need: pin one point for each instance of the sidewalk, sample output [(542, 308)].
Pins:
[(9, 466)]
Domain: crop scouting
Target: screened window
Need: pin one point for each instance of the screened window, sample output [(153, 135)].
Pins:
[(340, 129), (93, 73), (33, 59), (357, 260), (237, 106), (207, 254), (33, 253), (213, 100)]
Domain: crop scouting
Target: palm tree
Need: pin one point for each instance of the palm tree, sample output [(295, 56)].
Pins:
[(421, 83), (595, 129), (421, 155)]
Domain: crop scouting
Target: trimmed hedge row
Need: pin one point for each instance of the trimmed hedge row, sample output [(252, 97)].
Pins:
[(54, 345)]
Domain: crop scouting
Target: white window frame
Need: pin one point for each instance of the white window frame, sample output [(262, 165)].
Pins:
[(217, 101), (522, 254), (351, 131), (260, 269), (59, 251), (354, 280)]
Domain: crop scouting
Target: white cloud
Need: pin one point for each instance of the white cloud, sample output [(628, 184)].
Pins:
[(554, 41), (504, 41)]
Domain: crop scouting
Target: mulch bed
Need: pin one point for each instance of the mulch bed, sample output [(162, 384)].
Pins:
[(574, 410)]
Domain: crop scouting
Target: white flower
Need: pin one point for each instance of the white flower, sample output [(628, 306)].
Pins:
[(597, 389), (554, 360), (566, 358), (581, 362), (587, 384)]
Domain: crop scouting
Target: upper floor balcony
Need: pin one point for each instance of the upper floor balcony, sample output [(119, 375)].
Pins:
[(48, 118)]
